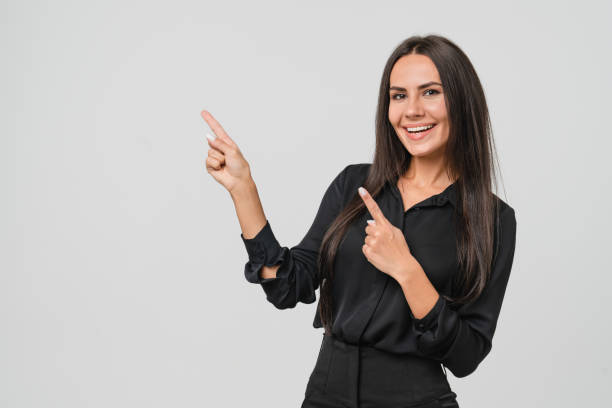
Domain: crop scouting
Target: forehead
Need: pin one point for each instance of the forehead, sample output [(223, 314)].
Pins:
[(413, 70)]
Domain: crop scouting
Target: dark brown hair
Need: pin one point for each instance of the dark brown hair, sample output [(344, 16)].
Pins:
[(469, 154)]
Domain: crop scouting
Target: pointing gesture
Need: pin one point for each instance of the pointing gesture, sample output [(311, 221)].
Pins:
[(225, 161), (385, 245)]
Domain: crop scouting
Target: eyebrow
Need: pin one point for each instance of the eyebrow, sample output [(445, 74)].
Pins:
[(399, 88)]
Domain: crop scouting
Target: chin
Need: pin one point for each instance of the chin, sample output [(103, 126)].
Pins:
[(423, 151), (419, 153)]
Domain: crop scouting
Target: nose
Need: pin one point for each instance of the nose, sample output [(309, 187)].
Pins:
[(413, 107)]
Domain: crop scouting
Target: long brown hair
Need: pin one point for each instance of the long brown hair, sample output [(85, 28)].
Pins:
[(469, 153)]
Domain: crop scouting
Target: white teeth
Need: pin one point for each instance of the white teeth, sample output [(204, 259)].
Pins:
[(419, 129)]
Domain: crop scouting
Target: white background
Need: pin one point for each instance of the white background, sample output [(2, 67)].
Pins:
[(122, 268)]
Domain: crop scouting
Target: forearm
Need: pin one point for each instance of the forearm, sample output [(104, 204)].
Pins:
[(418, 290), (251, 217), (248, 209)]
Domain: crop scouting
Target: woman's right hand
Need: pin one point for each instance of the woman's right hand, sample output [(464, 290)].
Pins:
[(225, 161)]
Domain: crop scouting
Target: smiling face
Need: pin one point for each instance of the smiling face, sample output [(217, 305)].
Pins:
[(416, 98)]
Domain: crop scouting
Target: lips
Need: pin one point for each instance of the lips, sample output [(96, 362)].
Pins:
[(419, 125), (418, 135)]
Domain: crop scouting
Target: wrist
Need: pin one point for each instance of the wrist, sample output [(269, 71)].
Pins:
[(407, 272), (243, 188)]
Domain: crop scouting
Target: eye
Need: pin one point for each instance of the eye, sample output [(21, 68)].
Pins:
[(434, 92)]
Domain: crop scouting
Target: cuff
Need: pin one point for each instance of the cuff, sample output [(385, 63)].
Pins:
[(263, 247), (428, 321), (252, 269)]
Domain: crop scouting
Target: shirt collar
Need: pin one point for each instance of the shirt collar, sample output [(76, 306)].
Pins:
[(448, 195)]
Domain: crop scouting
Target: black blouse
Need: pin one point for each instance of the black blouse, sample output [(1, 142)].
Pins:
[(369, 307)]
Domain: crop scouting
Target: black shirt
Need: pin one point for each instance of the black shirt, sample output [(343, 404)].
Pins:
[(369, 307)]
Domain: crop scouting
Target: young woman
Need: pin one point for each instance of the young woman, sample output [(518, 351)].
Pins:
[(412, 252)]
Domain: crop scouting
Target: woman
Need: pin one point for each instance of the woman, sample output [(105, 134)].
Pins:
[(412, 267)]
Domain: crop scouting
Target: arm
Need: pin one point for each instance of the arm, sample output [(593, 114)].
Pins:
[(296, 276), (251, 217), (461, 338)]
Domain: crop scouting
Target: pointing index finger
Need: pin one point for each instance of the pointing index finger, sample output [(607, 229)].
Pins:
[(216, 126), (372, 205)]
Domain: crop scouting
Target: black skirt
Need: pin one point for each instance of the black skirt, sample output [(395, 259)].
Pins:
[(356, 376)]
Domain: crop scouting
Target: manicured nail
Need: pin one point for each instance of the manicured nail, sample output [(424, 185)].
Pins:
[(362, 191), (210, 137)]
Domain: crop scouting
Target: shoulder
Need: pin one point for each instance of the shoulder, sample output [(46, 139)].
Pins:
[(357, 172), (505, 221), (506, 212), (349, 179)]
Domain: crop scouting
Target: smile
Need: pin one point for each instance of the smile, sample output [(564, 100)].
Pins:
[(417, 133)]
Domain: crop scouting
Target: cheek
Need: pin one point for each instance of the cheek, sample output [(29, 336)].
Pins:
[(394, 115), (439, 112), (444, 127)]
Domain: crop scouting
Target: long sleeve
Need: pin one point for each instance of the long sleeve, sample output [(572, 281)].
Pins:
[(297, 278), (460, 339)]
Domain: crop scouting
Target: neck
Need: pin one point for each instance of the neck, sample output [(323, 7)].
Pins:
[(427, 172)]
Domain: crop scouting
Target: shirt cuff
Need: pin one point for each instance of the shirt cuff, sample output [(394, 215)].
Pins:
[(428, 321), (263, 247)]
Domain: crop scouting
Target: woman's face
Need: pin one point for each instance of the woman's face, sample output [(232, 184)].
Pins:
[(416, 98)]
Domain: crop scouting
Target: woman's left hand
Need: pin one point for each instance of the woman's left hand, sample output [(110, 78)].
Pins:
[(385, 245)]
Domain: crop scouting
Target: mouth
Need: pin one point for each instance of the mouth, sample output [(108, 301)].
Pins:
[(418, 132)]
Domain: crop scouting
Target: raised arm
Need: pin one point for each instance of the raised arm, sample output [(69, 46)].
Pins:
[(252, 221), (228, 166), (289, 275)]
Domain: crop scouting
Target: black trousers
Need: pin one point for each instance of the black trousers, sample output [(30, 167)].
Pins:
[(357, 376)]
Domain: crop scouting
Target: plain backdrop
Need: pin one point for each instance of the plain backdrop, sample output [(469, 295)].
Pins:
[(122, 269)]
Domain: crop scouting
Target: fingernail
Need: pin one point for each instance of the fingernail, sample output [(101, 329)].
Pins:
[(362, 191), (210, 137), (371, 222)]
